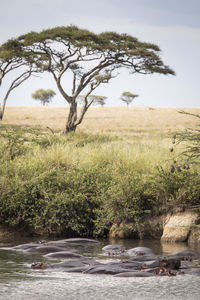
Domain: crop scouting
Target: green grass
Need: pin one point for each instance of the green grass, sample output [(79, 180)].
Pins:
[(81, 184)]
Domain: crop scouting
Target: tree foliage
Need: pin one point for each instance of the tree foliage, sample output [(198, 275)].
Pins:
[(44, 96), (91, 59), (93, 99), (190, 138), (100, 100), (14, 59), (128, 97)]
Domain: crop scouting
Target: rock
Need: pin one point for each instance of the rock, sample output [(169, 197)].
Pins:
[(178, 226), (194, 236)]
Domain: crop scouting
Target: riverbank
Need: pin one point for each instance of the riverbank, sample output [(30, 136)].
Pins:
[(92, 183)]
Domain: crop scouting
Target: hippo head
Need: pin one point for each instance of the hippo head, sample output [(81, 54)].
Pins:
[(38, 266)]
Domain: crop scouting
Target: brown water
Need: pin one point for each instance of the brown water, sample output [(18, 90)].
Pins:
[(18, 281)]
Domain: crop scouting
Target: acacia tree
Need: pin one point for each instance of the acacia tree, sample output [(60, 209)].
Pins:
[(44, 96), (13, 59), (92, 59), (93, 99), (128, 97), (100, 100)]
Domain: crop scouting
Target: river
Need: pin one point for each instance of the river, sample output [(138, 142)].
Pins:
[(18, 281)]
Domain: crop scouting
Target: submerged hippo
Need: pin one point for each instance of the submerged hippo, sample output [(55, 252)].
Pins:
[(104, 269), (62, 254), (62, 244), (26, 246), (81, 241), (43, 249), (139, 251), (186, 254), (134, 274), (70, 264), (114, 249), (191, 271)]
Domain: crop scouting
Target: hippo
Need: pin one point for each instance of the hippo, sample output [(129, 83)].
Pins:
[(139, 251), (134, 274), (25, 246), (39, 266), (186, 254), (62, 254), (71, 264), (114, 249), (142, 258), (191, 271), (127, 264), (62, 244), (104, 269), (81, 241), (150, 264), (170, 262), (43, 250)]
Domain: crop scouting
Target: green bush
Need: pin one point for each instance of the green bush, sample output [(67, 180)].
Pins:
[(80, 185), (180, 188), (128, 199)]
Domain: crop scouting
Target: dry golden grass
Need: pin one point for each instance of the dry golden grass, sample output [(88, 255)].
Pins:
[(121, 121)]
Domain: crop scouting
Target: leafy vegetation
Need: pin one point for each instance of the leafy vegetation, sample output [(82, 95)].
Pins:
[(128, 97), (190, 141), (44, 96), (80, 185)]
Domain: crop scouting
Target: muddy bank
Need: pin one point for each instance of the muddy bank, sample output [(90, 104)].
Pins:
[(172, 227)]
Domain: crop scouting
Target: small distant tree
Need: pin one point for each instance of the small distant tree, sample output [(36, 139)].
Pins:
[(100, 100), (44, 96), (128, 97), (92, 99)]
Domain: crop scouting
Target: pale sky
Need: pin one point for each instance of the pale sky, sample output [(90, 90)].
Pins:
[(174, 25)]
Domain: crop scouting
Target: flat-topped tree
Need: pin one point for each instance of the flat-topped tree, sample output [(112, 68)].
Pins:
[(100, 100), (128, 97), (92, 59), (14, 59), (92, 99), (44, 96)]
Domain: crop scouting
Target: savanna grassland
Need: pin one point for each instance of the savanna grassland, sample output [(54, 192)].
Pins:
[(116, 169)]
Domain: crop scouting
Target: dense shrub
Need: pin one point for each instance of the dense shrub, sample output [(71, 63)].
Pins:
[(80, 185), (180, 188)]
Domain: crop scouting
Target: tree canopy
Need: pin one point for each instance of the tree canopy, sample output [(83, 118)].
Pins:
[(13, 59), (128, 97), (91, 59), (44, 96)]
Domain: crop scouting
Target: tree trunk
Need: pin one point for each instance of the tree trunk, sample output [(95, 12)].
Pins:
[(2, 109), (72, 118)]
